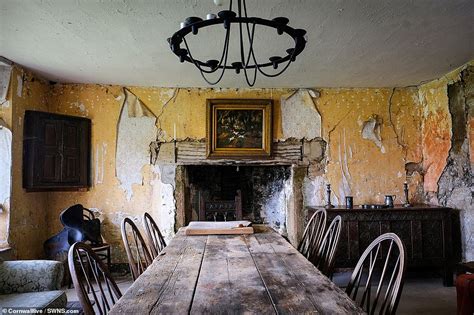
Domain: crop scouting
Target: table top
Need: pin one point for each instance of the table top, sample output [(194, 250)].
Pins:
[(258, 273)]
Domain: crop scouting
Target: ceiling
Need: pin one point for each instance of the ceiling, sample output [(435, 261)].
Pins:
[(370, 43)]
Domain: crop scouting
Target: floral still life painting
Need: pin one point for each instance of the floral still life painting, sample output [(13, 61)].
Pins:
[(239, 128)]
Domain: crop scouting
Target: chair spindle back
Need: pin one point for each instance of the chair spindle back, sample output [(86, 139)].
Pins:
[(89, 274), (313, 234), (155, 238), (382, 265), (139, 257), (324, 259)]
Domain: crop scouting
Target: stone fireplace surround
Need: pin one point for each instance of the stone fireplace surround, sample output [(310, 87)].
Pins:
[(277, 184)]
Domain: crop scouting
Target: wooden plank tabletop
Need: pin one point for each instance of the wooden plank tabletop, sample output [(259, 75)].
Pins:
[(259, 273)]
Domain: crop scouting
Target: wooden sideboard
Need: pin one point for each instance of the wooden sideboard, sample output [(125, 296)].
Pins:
[(426, 231)]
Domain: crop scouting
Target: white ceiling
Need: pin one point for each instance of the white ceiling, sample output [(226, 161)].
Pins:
[(365, 43)]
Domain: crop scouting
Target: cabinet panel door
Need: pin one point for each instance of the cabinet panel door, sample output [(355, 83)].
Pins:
[(433, 239), (404, 230), (71, 154), (48, 166), (56, 151)]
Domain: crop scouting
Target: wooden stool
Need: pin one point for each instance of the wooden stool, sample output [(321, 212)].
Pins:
[(465, 294)]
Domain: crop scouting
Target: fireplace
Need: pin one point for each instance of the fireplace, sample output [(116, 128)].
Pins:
[(255, 193), (270, 191)]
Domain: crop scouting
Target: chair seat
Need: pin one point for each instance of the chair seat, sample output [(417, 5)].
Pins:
[(36, 300)]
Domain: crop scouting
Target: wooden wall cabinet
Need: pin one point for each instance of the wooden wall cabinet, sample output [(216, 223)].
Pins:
[(429, 234), (56, 152)]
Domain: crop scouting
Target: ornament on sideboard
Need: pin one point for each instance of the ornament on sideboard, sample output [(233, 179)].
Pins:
[(389, 200), (328, 196), (349, 202), (406, 204)]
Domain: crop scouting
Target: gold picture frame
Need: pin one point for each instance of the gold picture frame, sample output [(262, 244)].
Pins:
[(239, 128)]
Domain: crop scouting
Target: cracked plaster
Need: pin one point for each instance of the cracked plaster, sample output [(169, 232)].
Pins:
[(371, 131), (301, 119), (341, 111), (135, 131), (456, 183), (5, 74), (163, 202)]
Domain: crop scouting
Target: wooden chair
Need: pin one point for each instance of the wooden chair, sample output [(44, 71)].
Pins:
[(89, 274), (139, 257), (156, 242), (384, 259), (220, 210), (324, 259), (313, 234), (102, 249)]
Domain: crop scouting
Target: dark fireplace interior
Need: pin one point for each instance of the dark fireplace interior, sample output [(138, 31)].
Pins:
[(225, 193)]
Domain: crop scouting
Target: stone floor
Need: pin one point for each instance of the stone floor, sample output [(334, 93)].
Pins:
[(425, 295), (422, 294)]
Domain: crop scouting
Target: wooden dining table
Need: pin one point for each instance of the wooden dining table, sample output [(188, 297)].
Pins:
[(260, 273)]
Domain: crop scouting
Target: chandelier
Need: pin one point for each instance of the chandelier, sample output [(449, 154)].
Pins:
[(247, 63)]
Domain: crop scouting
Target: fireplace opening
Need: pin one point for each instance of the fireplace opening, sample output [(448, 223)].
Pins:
[(224, 193)]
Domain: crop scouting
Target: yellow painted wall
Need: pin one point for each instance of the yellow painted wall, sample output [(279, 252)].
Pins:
[(370, 171), (28, 224), (186, 108), (373, 173)]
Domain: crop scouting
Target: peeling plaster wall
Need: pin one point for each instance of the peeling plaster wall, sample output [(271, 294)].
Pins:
[(302, 117), (163, 203), (357, 166), (353, 163), (6, 121), (135, 131), (183, 110), (436, 131), (5, 182), (448, 146), (350, 163), (28, 224)]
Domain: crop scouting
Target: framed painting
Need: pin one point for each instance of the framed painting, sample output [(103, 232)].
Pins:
[(239, 128)]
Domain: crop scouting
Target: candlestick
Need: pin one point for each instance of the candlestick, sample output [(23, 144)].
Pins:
[(174, 131), (405, 191), (328, 196)]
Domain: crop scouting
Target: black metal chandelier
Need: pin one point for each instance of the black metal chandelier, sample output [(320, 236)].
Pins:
[(248, 63)]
